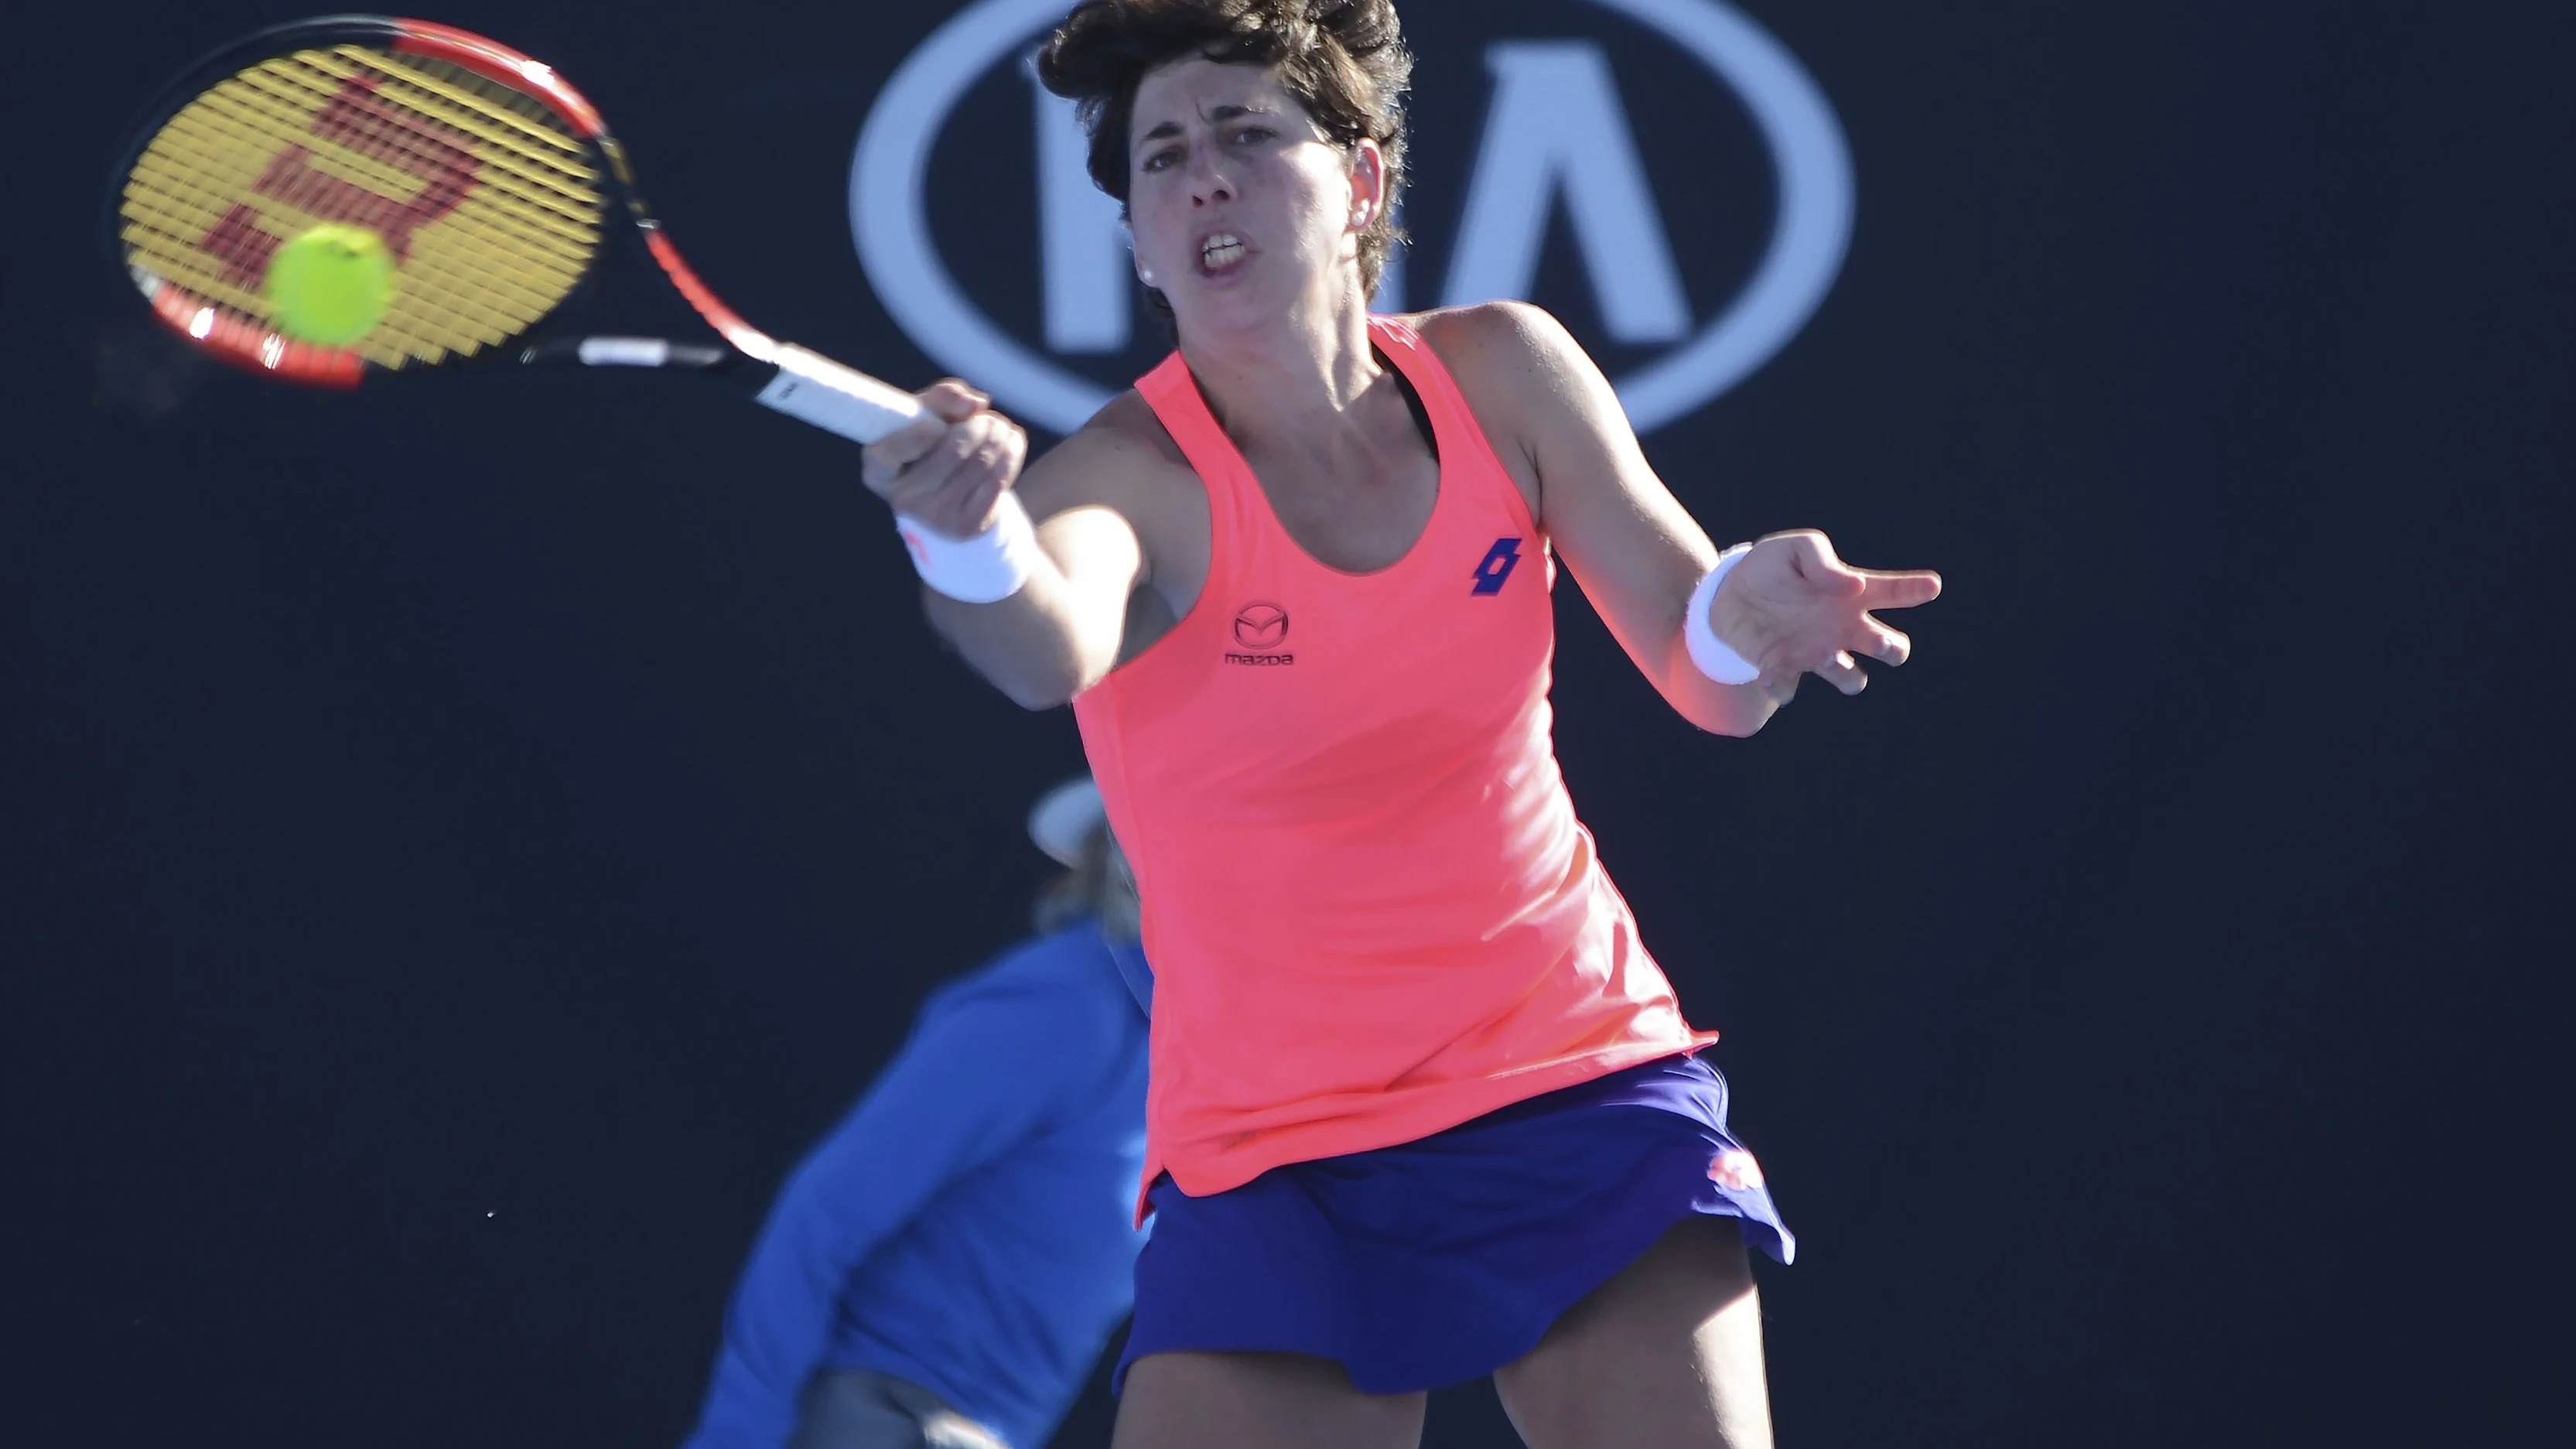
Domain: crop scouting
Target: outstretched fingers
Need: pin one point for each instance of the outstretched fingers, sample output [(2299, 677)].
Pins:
[(1819, 611), (1890, 589), (1898, 588), (1812, 558), (1879, 642), (1843, 672)]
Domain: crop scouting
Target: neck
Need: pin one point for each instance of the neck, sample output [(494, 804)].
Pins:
[(1297, 373)]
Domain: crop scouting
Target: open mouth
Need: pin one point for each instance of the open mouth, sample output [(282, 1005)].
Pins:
[(1220, 250)]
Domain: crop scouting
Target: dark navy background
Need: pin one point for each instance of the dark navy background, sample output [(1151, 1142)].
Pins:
[(463, 839)]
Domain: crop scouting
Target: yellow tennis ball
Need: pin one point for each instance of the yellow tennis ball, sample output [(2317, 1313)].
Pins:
[(331, 285)]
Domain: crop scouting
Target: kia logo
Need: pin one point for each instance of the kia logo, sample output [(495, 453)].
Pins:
[(1555, 140), (1261, 626)]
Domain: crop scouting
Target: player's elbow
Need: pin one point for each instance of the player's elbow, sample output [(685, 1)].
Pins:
[(1735, 713), (1025, 652), (1045, 681), (1734, 727), (1036, 692)]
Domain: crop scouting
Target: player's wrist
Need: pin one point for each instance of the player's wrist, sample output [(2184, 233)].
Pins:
[(984, 569), (1709, 654)]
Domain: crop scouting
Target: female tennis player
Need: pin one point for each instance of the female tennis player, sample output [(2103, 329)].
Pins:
[(1421, 1106)]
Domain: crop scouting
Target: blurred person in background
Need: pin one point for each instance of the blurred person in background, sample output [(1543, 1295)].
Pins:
[(943, 1269)]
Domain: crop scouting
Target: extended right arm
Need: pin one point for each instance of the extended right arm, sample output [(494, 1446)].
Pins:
[(1063, 629)]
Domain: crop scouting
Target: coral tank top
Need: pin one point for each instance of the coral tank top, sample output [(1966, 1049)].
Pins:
[(1371, 911)]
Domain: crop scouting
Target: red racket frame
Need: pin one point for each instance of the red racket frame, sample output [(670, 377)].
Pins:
[(245, 344)]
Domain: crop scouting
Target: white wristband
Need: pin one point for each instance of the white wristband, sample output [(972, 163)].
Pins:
[(1707, 651), (981, 570)]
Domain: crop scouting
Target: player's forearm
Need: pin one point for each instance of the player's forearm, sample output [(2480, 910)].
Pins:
[(1722, 709), (1648, 617), (1032, 646)]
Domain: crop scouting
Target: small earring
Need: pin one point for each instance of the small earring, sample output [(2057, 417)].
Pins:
[(1146, 274)]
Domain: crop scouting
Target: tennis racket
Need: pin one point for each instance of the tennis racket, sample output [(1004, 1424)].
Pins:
[(493, 186)]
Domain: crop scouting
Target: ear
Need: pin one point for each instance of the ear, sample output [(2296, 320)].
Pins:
[(1144, 273), (1368, 184)]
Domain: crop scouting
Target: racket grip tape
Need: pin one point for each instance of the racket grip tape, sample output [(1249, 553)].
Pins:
[(647, 352), (814, 389)]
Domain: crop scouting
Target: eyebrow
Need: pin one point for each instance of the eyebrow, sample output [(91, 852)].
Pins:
[(1221, 113)]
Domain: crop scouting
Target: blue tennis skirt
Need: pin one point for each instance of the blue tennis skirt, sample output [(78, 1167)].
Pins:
[(1441, 1260)]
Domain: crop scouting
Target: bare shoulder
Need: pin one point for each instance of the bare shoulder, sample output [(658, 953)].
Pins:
[(1124, 461), (1522, 374), (1503, 342), (1482, 324), (1516, 363), (1103, 461)]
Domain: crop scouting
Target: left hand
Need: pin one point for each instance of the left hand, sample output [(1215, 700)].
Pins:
[(1791, 607)]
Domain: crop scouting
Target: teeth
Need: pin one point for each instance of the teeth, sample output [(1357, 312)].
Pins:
[(1223, 248)]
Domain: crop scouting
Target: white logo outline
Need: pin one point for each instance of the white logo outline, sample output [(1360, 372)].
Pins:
[(1809, 236)]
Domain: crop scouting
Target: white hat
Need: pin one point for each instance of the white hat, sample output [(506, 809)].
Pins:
[(1064, 817)]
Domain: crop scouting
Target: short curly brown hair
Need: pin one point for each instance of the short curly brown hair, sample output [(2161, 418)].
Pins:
[(1344, 60)]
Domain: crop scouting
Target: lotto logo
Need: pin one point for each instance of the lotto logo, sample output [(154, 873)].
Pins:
[(1499, 562)]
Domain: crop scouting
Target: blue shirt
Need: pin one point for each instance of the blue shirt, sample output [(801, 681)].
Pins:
[(968, 1227)]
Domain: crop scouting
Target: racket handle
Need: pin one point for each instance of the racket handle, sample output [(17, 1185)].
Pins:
[(813, 388), (653, 352)]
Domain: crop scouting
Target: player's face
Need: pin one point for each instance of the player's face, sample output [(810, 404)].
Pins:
[(1239, 204)]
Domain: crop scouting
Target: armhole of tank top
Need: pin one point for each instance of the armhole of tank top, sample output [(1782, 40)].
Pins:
[(1420, 365), (1173, 383)]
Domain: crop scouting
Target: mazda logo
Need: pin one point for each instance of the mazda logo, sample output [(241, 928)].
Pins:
[(1261, 626)]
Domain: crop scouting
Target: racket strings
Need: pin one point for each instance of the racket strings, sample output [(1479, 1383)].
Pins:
[(437, 310), (551, 176), (491, 208), (382, 150), (435, 300)]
